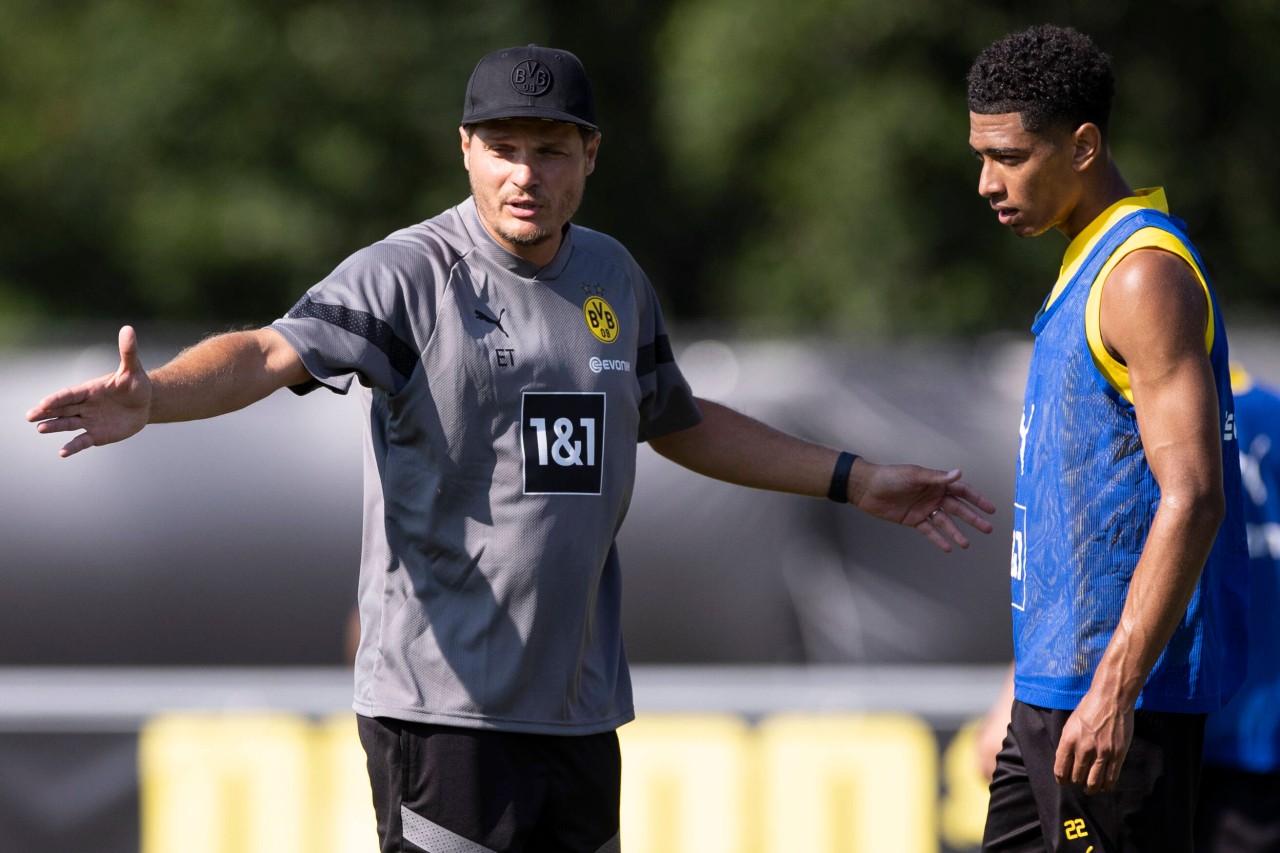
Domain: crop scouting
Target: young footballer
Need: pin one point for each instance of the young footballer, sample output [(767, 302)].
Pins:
[(1128, 567)]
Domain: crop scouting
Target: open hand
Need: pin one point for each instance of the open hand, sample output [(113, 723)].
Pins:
[(926, 499), (108, 409)]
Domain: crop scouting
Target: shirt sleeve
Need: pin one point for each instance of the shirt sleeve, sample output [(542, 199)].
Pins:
[(666, 402), (363, 321)]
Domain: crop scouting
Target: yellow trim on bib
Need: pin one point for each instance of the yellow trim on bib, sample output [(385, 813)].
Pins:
[(1117, 374)]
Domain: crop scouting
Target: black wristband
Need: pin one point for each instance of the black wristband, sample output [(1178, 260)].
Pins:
[(839, 490)]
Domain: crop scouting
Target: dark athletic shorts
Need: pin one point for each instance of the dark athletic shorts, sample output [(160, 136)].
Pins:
[(1151, 808), (1238, 811), (453, 790)]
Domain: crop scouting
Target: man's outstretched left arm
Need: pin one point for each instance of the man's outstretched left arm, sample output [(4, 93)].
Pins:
[(730, 446)]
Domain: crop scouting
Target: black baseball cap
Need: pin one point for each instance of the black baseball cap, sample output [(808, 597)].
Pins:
[(530, 82)]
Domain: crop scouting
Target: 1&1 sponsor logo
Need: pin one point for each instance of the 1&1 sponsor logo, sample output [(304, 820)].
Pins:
[(563, 441)]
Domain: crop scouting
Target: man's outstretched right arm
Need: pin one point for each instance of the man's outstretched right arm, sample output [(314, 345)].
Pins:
[(218, 375)]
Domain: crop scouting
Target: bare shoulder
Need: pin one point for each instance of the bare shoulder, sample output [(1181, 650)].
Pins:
[(1153, 303)]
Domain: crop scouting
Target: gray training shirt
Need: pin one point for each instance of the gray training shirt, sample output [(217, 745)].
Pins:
[(504, 405)]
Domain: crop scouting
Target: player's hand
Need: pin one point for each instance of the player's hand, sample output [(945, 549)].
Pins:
[(1094, 744), (928, 500), (108, 409)]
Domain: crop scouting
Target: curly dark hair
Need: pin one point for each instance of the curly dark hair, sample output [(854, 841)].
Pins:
[(1054, 77)]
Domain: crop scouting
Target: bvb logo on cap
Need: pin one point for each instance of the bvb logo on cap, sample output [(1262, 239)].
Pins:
[(531, 77)]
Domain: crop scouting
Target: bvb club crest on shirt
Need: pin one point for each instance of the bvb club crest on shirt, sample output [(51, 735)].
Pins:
[(599, 315)]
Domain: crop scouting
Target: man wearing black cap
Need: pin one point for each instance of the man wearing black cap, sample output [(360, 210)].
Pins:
[(528, 95), (508, 362)]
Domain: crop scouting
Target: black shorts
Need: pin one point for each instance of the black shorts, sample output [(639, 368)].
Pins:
[(440, 788), (1150, 809), (1238, 811)]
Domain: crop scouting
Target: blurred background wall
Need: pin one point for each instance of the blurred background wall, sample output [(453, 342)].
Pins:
[(235, 542)]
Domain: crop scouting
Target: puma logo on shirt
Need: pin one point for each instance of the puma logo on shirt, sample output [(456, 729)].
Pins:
[(480, 315)]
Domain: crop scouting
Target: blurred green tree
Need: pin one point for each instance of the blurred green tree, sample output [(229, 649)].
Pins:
[(826, 145), (213, 158), (777, 167)]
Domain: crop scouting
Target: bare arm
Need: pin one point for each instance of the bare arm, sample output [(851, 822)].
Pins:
[(738, 449), (216, 376), (222, 374), (1153, 317)]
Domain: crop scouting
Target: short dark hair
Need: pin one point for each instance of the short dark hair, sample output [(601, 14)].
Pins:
[(587, 133), (1054, 77)]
